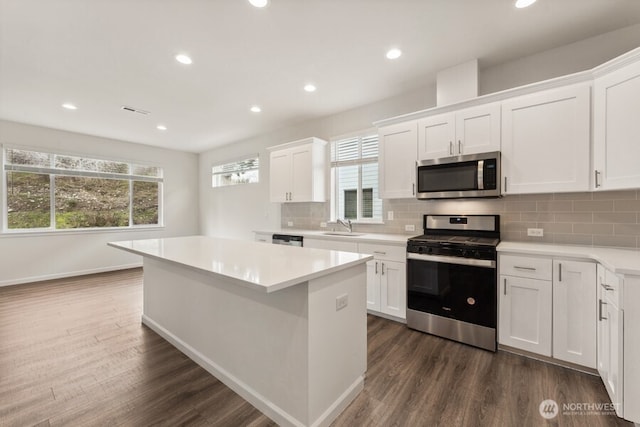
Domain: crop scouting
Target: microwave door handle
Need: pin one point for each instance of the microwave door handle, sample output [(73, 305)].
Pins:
[(480, 174)]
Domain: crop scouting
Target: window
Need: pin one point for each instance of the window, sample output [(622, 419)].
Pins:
[(354, 178), (57, 191), (246, 171)]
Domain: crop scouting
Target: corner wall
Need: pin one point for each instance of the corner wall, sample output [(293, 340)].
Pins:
[(31, 257)]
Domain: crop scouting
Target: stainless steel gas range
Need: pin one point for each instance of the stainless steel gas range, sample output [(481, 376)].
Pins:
[(452, 278)]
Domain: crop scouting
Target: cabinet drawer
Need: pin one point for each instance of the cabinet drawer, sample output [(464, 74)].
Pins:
[(527, 267), (611, 289), (387, 252)]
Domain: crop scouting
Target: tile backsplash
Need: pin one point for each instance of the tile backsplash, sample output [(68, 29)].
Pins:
[(589, 219)]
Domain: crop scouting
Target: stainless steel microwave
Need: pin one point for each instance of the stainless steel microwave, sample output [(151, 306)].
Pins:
[(473, 175)]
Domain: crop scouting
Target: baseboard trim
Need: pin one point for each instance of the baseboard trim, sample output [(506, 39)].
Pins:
[(549, 360), (44, 277), (271, 410)]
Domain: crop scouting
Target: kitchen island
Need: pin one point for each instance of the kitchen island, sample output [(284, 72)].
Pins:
[(284, 327)]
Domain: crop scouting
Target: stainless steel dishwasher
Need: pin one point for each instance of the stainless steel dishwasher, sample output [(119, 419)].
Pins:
[(286, 239)]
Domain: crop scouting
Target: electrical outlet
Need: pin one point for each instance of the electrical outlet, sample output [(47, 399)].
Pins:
[(342, 301), (536, 232), (409, 227), (290, 224), (390, 215), (323, 225)]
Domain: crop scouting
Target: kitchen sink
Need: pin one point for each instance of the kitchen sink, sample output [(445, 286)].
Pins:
[(342, 233)]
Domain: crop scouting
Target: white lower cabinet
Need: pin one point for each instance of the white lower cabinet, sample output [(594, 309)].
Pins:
[(548, 307), (386, 279), (610, 330), (525, 314), (386, 273)]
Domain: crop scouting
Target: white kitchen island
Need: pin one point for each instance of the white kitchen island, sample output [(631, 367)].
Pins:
[(263, 319)]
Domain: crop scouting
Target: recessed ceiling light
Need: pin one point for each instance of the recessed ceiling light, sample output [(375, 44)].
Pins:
[(259, 3), (524, 3), (255, 109), (69, 106), (183, 59), (161, 127), (394, 53), (310, 87)]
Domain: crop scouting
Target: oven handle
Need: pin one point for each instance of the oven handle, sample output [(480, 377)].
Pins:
[(453, 260)]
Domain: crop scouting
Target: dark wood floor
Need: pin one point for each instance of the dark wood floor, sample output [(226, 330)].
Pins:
[(73, 353)]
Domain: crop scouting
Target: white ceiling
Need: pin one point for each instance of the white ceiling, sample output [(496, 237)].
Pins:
[(102, 54)]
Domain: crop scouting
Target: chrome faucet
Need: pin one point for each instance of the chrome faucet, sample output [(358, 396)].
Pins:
[(347, 224)]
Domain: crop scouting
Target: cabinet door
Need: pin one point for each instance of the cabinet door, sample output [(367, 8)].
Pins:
[(279, 176), (393, 288), (525, 314), (397, 160), (373, 285), (301, 174), (436, 136), (613, 348), (263, 237), (478, 129), (616, 129), (545, 141), (574, 312), (602, 359)]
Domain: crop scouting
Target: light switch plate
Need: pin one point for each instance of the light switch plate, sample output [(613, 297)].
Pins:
[(290, 224), (409, 227), (390, 215), (323, 225)]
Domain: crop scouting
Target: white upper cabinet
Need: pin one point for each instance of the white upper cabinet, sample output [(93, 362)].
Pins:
[(617, 129), (397, 160), (435, 136), (469, 131), (298, 171), (545, 141)]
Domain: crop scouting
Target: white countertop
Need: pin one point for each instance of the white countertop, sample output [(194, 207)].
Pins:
[(388, 239), (262, 267), (620, 261)]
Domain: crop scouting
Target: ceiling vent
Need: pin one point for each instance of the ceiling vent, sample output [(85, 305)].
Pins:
[(135, 110)]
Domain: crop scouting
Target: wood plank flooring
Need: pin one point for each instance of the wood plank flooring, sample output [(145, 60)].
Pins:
[(74, 353)]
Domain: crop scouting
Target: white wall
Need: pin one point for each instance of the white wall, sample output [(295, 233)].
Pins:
[(25, 258)]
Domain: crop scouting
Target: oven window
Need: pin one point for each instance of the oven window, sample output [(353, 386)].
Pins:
[(450, 177), (462, 292)]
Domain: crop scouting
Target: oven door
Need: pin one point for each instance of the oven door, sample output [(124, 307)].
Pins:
[(458, 288)]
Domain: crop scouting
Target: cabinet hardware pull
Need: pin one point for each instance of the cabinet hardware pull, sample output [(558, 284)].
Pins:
[(379, 252), (505, 184), (459, 147), (505, 286), (382, 268), (597, 174), (524, 268), (414, 189), (606, 287), (600, 304), (451, 148), (376, 267), (559, 272)]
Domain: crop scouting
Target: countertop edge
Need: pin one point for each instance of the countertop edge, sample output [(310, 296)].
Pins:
[(601, 255), (363, 258), (381, 238)]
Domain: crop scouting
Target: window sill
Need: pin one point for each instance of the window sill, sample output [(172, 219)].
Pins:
[(40, 233)]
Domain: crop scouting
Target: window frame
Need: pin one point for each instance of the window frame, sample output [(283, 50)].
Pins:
[(233, 161), (52, 172), (359, 162)]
